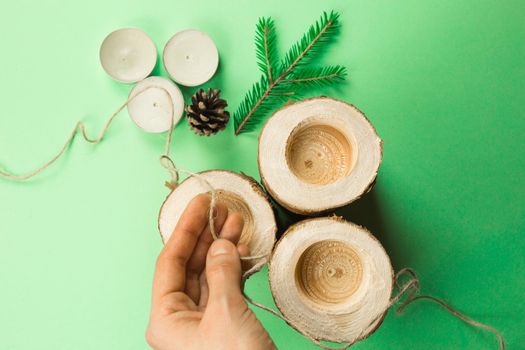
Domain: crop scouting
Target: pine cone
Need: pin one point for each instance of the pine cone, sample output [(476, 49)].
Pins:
[(206, 114)]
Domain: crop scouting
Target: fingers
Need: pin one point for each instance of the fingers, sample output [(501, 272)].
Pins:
[(243, 250), (223, 274), (232, 228), (197, 261), (203, 301), (170, 272), (223, 266)]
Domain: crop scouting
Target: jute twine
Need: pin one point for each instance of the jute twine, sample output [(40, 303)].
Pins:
[(410, 287), (165, 159)]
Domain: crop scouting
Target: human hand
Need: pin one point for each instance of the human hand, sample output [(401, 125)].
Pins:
[(197, 301)]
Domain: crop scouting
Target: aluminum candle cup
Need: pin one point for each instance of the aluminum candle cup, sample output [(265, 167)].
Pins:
[(191, 57), (128, 55), (318, 154), (156, 99), (331, 279), (240, 194)]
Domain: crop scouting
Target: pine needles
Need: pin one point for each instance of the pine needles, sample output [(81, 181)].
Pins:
[(266, 48), (285, 79)]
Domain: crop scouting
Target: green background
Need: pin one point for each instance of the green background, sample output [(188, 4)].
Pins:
[(442, 81)]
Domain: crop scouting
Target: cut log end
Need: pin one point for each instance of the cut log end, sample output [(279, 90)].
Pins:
[(240, 194), (318, 154), (331, 279), (328, 272), (236, 204)]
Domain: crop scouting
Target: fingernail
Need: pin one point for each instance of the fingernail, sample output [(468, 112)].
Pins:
[(220, 248)]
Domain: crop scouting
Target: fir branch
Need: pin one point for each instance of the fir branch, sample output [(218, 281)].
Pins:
[(318, 76), (319, 34), (288, 93), (270, 90), (266, 48), (261, 99)]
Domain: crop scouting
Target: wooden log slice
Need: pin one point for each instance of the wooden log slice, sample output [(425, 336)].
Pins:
[(239, 193), (331, 279), (318, 154)]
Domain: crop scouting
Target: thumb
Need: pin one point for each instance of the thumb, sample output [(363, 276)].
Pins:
[(223, 274)]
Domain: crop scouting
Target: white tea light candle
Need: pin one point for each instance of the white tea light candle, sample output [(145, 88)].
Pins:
[(128, 55), (191, 57), (155, 100)]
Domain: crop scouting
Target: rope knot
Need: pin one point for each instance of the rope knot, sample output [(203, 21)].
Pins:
[(167, 163)]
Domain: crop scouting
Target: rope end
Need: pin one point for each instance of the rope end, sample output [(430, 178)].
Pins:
[(171, 185)]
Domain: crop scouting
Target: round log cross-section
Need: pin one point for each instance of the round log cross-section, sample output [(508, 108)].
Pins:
[(318, 154), (240, 194), (331, 279)]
